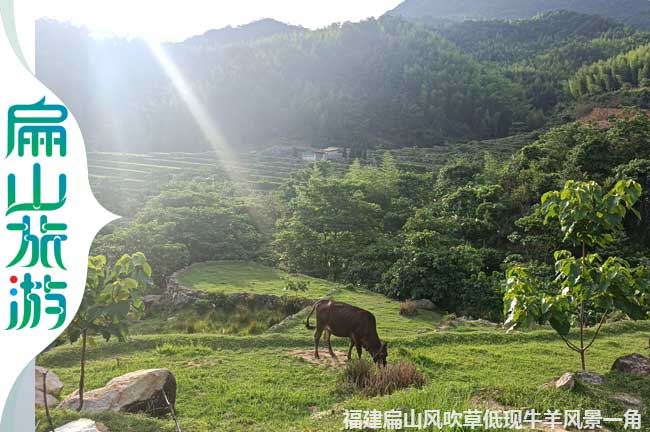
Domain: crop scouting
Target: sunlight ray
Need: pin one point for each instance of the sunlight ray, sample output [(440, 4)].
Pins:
[(209, 129)]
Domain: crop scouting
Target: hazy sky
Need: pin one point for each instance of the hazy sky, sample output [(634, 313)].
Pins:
[(174, 20)]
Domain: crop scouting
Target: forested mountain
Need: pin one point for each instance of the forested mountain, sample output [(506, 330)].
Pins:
[(379, 82), (543, 53), (244, 33), (635, 13)]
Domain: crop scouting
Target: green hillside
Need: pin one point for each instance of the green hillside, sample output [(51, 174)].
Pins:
[(635, 13)]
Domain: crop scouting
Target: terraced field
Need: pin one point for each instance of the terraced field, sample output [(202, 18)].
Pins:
[(249, 170), (263, 171)]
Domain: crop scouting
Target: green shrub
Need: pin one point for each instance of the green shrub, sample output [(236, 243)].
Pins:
[(296, 285)]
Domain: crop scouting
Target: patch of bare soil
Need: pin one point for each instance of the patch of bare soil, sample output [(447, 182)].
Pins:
[(325, 359)]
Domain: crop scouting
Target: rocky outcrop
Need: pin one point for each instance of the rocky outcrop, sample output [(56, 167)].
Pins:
[(140, 391), (635, 364), (53, 385), (82, 425), (178, 296)]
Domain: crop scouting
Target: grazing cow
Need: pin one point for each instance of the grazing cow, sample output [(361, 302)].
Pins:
[(344, 320)]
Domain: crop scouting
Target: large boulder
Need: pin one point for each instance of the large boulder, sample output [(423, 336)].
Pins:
[(140, 391), (39, 400), (635, 364), (52, 382), (82, 425)]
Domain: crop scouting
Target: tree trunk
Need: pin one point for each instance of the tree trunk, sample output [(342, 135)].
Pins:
[(82, 375), (582, 317), (582, 337), (47, 408)]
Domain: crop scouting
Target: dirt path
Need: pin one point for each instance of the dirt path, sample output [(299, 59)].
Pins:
[(325, 358)]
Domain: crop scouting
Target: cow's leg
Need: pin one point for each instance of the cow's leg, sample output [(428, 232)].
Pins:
[(359, 351), (328, 335), (317, 335), (350, 349)]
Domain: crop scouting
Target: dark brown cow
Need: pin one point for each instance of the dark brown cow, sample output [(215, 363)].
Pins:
[(344, 320)]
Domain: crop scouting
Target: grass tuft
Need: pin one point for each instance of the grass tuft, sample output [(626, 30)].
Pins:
[(408, 308), (379, 381)]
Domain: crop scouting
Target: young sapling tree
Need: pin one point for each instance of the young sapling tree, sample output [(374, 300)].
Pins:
[(587, 288)]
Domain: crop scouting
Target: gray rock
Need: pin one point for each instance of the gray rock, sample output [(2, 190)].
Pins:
[(140, 391), (39, 400), (52, 382), (566, 382), (590, 378), (628, 401), (82, 425), (152, 302), (635, 364), (425, 304)]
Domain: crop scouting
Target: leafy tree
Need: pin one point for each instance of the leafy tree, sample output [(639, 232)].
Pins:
[(626, 69), (586, 288), (112, 291), (454, 278)]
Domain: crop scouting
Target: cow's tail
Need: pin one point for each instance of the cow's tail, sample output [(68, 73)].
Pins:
[(313, 308)]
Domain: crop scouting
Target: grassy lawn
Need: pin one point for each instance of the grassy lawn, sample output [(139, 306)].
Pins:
[(251, 383), (239, 277), (232, 277)]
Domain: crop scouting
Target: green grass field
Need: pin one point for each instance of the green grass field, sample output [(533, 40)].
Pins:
[(253, 383), (240, 277)]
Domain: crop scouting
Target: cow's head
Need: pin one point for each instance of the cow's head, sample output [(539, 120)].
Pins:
[(380, 356)]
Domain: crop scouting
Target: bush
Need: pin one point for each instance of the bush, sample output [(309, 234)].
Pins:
[(296, 285), (376, 381), (408, 308), (449, 277)]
